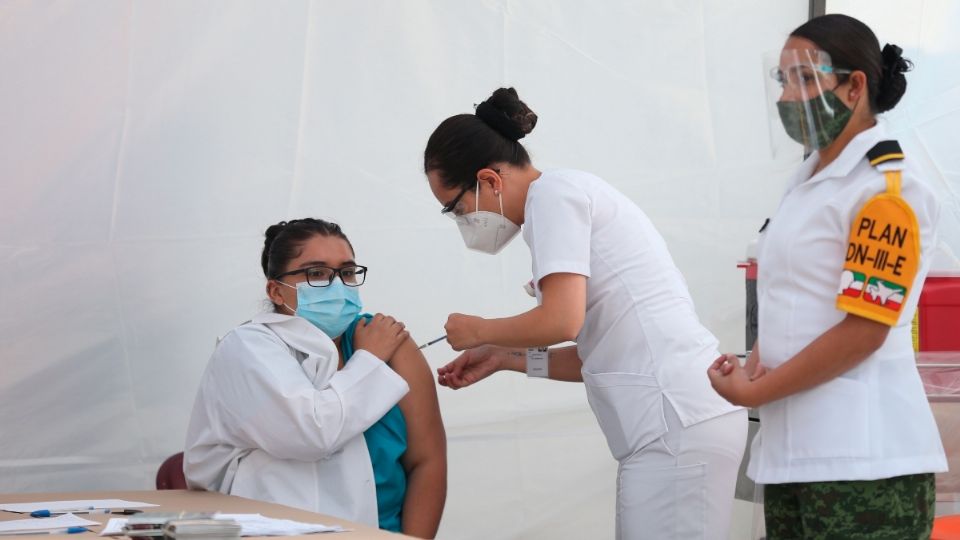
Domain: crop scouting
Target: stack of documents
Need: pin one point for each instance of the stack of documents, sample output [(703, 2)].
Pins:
[(202, 529)]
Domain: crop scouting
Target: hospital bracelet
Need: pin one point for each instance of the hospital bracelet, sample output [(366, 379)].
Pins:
[(538, 364)]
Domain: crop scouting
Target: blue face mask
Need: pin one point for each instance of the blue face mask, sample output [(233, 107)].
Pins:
[(331, 308)]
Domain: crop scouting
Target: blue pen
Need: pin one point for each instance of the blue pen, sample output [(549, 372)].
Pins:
[(90, 510), (68, 530), (49, 513)]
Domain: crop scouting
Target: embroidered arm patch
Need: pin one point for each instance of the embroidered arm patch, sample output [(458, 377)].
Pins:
[(883, 255)]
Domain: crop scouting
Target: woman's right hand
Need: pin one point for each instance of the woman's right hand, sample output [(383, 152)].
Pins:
[(380, 336), (473, 365), (753, 367)]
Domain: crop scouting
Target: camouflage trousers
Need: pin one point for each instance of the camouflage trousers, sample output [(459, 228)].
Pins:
[(898, 508)]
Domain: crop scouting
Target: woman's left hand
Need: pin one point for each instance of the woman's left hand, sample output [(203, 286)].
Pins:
[(731, 381), (463, 331)]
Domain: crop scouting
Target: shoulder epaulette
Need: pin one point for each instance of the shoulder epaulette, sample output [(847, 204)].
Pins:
[(884, 151)]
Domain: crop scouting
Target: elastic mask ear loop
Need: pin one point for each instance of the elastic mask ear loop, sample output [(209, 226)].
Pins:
[(476, 197), (834, 92), (284, 304)]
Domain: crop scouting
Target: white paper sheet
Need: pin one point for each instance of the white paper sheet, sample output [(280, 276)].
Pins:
[(258, 525), (113, 527), (44, 524), (250, 525), (81, 505)]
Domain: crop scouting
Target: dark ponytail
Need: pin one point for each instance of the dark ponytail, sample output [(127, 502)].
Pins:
[(463, 144), (283, 241), (852, 45)]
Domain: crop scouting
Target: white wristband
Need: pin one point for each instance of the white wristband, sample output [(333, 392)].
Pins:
[(538, 364)]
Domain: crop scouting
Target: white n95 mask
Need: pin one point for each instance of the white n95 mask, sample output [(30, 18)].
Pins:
[(487, 232)]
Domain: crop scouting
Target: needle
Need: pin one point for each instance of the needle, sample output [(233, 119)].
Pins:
[(425, 345)]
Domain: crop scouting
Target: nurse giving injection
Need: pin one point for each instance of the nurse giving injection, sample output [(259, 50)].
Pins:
[(604, 279)]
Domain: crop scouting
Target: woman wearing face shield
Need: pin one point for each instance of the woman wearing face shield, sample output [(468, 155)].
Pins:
[(847, 445), (604, 279)]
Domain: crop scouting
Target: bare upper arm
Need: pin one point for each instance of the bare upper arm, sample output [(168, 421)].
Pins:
[(421, 410), (564, 297)]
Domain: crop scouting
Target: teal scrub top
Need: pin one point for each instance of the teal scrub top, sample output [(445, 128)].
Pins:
[(386, 442)]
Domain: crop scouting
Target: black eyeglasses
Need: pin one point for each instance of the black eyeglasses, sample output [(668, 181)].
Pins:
[(322, 276), (450, 206)]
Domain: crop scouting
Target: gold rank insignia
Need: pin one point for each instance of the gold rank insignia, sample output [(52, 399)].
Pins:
[(883, 253)]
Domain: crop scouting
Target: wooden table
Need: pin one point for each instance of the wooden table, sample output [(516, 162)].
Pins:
[(195, 501)]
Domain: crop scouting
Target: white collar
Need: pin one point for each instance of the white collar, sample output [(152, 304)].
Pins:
[(299, 333), (851, 156)]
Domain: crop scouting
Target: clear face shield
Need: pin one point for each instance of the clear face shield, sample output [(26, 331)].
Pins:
[(804, 110)]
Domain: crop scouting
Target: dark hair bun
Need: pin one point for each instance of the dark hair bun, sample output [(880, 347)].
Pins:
[(272, 232), (893, 84), (269, 236), (505, 113)]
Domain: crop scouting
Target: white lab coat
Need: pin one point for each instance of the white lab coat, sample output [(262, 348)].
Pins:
[(873, 421), (275, 420)]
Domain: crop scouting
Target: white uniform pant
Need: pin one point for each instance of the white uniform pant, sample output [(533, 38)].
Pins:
[(681, 486)]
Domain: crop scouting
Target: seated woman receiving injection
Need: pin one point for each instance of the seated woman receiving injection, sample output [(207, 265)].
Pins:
[(315, 406)]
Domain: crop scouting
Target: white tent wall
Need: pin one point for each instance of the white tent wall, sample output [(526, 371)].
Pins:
[(145, 146)]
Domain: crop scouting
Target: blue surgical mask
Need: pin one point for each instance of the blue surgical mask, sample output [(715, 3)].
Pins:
[(331, 309)]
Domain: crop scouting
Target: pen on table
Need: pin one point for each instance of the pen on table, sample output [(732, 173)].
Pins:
[(429, 343), (86, 510), (48, 513), (67, 530), (91, 510)]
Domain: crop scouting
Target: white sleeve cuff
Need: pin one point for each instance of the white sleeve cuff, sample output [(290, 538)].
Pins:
[(561, 267)]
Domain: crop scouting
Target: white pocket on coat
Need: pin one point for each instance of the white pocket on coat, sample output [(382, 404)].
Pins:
[(829, 421), (629, 408)]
